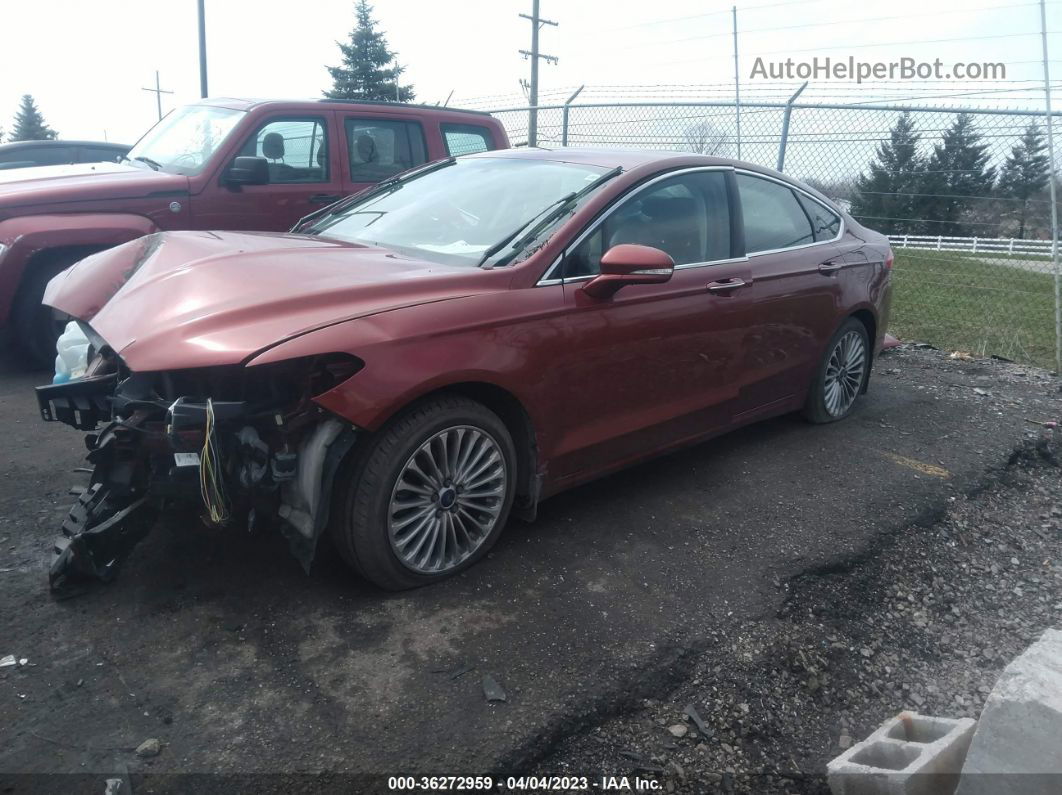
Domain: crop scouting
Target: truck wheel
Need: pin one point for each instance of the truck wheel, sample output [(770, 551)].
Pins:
[(427, 496), (37, 327)]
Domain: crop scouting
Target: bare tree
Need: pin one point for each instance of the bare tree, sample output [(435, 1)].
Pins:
[(705, 138)]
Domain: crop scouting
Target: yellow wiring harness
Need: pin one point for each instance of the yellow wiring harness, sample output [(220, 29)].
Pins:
[(210, 480)]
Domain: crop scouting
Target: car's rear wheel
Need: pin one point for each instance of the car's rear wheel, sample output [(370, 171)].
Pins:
[(428, 495), (37, 327), (841, 374)]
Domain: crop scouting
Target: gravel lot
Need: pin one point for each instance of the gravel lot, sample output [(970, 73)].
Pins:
[(746, 577), (924, 620)]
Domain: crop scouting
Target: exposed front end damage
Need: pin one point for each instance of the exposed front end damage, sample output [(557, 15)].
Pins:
[(247, 444)]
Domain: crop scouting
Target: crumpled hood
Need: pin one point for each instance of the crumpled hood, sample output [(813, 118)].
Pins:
[(175, 300), (32, 187)]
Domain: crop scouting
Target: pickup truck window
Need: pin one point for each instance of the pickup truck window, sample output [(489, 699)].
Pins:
[(380, 149), (465, 139), (185, 140), (296, 148)]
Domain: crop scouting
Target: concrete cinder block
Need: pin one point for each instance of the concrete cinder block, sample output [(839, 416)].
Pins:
[(1017, 747), (910, 754)]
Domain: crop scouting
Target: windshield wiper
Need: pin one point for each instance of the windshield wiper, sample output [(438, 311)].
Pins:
[(389, 185), (545, 217), (149, 161)]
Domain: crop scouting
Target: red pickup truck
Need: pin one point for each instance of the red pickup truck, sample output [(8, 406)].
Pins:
[(218, 164)]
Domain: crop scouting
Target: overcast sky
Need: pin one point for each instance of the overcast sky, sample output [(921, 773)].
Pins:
[(86, 61)]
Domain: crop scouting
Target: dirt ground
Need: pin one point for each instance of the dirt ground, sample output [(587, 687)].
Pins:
[(728, 576)]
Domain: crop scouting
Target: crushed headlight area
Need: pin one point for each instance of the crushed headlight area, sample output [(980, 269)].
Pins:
[(247, 444)]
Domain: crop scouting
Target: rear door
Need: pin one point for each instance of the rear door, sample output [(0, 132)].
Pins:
[(794, 295), (376, 147), (303, 176)]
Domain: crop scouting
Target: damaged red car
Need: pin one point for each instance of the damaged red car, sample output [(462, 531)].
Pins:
[(415, 364)]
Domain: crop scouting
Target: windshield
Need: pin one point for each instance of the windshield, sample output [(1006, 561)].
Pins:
[(455, 213), (183, 142)]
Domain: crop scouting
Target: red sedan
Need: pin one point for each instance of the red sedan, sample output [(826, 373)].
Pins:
[(420, 361)]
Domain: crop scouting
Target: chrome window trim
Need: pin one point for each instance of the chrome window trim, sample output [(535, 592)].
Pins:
[(791, 186), (547, 279)]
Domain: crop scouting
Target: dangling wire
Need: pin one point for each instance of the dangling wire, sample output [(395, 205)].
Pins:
[(211, 482)]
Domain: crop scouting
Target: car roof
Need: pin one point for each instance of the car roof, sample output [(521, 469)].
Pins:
[(237, 103), (627, 159), (13, 145)]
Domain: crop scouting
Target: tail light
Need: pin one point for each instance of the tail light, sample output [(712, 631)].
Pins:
[(888, 260)]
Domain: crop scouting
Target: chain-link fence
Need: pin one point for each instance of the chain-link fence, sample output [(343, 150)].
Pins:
[(962, 193)]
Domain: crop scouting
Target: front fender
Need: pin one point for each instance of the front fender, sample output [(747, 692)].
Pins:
[(27, 236)]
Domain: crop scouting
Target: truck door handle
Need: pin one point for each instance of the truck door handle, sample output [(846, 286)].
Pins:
[(324, 198), (830, 267), (726, 285)]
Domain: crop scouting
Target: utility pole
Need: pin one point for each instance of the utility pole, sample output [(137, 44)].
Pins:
[(737, 86), (1052, 173), (398, 71), (158, 91), (202, 50), (536, 24)]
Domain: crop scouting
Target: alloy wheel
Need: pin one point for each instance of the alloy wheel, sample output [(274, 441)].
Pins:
[(844, 373), (447, 499)]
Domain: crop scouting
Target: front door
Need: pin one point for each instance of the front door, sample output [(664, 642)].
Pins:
[(655, 364), (303, 177)]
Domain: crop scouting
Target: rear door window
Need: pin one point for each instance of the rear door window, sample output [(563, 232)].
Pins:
[(465, 139), (380, 148), (773, 217), (825, 222)]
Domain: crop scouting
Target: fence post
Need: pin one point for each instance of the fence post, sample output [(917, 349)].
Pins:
[(564, 115), (940, 240), (1010, 246), (905, 241), (785, 125), (975, 244), (1052, 175)]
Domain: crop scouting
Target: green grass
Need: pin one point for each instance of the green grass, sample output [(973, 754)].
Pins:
[(958, 302)]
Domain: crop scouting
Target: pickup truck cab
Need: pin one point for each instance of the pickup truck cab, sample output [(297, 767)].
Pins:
[(218, 164)]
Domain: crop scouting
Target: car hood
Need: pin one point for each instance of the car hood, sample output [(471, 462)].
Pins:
[(31, 187), (176, 300)]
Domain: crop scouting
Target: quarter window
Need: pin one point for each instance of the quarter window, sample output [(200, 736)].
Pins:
[(773, 217), (296, 149), (381, 149), (465, 139), (687, 216), (825, 223)]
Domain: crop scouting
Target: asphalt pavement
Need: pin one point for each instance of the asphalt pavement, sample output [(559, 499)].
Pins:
[(217, 644)]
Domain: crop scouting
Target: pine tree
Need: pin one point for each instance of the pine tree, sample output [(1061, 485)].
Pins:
[(1025, 173), (958, 167), (365, 72), (887, 196), (29, 123)]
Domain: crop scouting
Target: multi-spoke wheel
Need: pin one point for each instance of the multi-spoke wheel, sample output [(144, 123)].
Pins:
[(426, 496), (841, 374), (447, 499)]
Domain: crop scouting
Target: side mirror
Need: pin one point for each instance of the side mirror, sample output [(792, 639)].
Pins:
[(248, 171), (629, 264)]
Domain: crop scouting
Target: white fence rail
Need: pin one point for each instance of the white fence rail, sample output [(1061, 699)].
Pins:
[(974, 245)]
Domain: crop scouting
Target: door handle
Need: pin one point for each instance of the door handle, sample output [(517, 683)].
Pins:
[(726, 285), (324, 198), (830, 267)]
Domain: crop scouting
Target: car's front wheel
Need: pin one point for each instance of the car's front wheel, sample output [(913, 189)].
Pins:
[(428, 495), (841, 374)]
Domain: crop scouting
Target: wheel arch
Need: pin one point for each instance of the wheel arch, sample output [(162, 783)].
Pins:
[(514, 416)]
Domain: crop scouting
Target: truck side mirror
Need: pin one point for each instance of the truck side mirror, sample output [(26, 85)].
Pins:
[(247, 170)]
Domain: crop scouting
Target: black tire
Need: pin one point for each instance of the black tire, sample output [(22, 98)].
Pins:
[(366, 481), (36, 326), (816, 408)]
